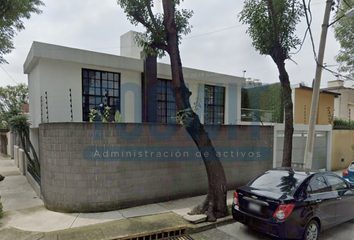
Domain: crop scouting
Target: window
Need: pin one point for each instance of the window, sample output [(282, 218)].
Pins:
[(166, 103), (336, 183), (100, 88), (317, 185), (214, 101)]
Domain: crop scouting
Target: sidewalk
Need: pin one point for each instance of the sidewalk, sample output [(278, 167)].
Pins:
[(25, 216)]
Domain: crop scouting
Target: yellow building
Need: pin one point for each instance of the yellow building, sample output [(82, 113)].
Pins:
[(302, 105)]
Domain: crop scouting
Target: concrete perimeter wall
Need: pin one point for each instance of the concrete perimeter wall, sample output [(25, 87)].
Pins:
[(342, 152), (77, 178)]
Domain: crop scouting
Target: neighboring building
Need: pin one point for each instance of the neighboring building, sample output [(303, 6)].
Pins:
[(344, 103), (24, 109), (302, 98), (268, 101), (251, 83), (65, 83)]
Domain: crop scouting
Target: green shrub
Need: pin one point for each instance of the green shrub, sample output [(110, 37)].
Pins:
[(0, 209), (343, 124)]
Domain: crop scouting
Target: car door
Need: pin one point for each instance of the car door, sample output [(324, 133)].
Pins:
[(345, 198), (321, 201)]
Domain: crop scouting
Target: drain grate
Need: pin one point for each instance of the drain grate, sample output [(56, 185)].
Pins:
[(185, 237), (170, 234)]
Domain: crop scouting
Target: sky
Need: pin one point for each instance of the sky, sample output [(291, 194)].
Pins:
[(218, 41)]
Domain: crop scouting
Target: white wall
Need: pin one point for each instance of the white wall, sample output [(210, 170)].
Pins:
[(131, 97), (10, 144), (56, 78), (34, 97)]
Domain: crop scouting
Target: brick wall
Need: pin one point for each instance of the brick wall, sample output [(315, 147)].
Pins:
[(72, 182)]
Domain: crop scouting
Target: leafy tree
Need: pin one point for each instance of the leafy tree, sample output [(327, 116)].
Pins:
[(20, 125), (163, 34), (271, 26), (11, 14), (11, 100), (344, 33), (267, 97)]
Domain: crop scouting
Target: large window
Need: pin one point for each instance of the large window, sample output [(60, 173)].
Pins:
[(100, 89), (214, 101), (166, 103)]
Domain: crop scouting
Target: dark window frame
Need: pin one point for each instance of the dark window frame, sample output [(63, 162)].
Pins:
[(166, 102), (100, 87), (212, 103)]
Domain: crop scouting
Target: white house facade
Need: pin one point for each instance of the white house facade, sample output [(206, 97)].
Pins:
[(65, 83)]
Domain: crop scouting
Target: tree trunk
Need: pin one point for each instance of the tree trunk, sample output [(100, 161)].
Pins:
[(288, 109), (214, 205)]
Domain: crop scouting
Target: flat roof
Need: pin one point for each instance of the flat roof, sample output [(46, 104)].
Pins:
[(55, 52)]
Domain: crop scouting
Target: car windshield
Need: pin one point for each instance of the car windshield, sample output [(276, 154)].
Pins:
[(282, 182)]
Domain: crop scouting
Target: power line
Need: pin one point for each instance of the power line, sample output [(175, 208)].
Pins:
[(8, 75), (336, 74), (208, 33), (308, 21), (347, 4)]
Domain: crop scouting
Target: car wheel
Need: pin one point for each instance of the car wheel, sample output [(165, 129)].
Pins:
[(312, 231)]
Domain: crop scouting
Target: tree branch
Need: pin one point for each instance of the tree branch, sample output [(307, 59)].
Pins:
[(151, 15)]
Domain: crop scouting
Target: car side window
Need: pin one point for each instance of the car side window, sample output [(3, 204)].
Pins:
[(317, 185), (336, 183)]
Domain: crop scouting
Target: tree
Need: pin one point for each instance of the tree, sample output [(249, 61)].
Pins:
[(20, 125), (11, 100), (272, 25), (163, 34), (344, 33), (11, 14)]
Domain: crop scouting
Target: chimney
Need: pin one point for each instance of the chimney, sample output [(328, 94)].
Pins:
[(128, 46), (335, 83)]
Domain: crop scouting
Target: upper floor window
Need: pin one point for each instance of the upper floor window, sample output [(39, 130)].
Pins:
[(166, 103), (100, 89), (214, 104)]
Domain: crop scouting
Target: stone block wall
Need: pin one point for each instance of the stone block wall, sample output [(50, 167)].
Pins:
[(73, 182)]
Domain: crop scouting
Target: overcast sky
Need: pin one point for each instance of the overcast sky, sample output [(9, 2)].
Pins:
[(218, 42)]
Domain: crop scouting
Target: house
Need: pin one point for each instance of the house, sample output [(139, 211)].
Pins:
[(65, 83), (267, 101), (302, 98), (344, 103), (88, 167)]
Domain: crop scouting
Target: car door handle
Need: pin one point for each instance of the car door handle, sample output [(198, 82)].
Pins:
[(318, 201)]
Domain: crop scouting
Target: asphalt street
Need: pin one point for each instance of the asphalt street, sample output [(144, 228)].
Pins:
[(238, 231)]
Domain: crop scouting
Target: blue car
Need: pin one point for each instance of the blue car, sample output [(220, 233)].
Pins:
[(348, 174)]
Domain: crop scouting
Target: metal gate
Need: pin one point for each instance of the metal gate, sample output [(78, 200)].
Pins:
[(3, 144), (299, 142)]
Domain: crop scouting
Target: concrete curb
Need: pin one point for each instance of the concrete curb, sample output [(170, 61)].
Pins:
[(196, 228), (109, 230)]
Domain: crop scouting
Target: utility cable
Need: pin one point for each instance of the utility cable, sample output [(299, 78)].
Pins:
[(8, 75)]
